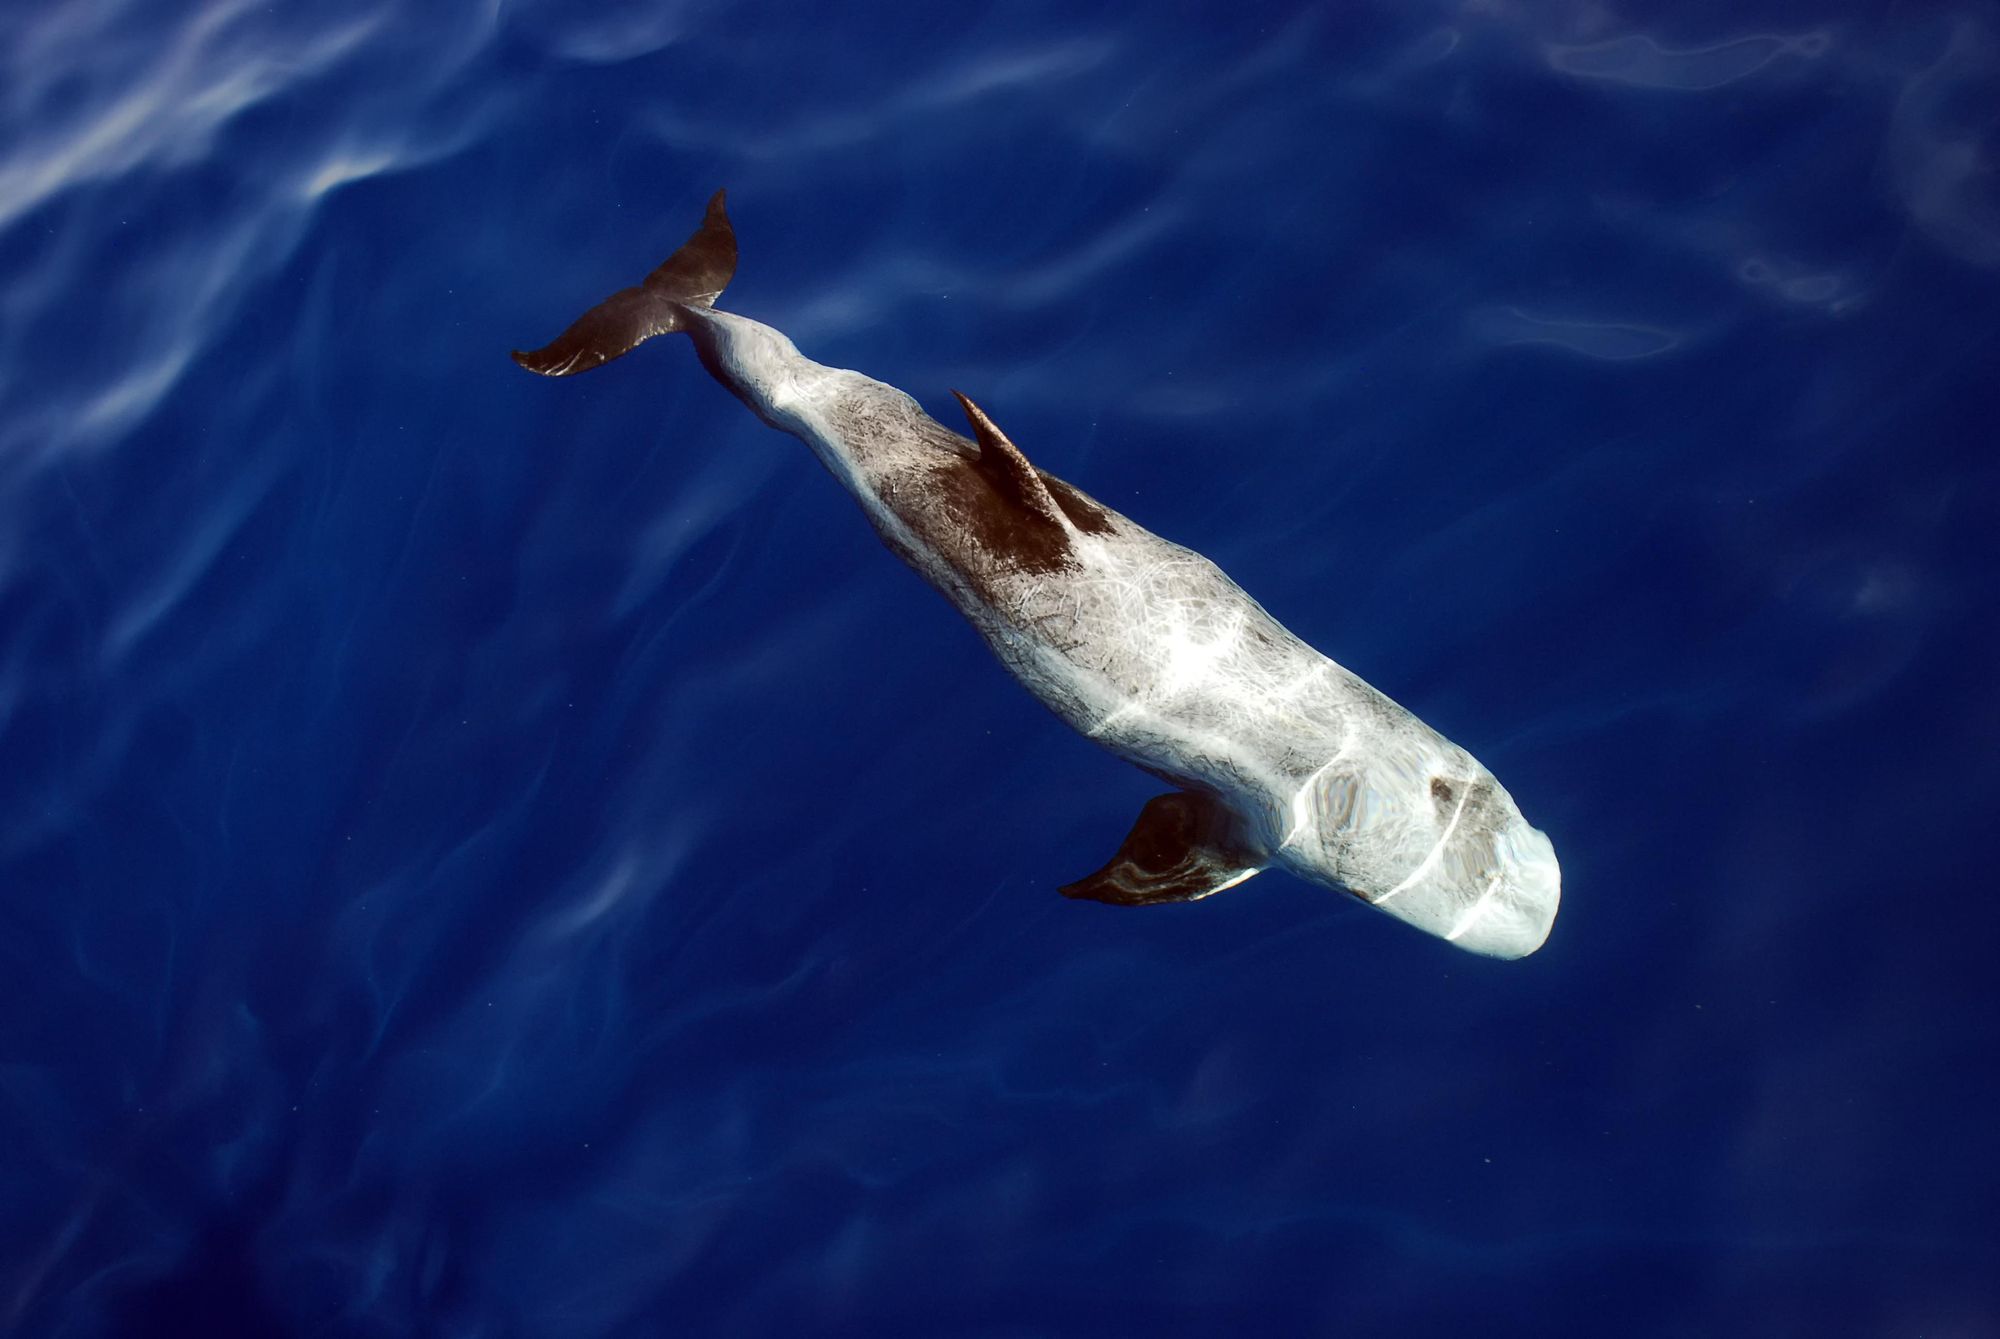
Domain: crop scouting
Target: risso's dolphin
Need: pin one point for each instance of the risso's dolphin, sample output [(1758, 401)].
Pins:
[(1277, 755)]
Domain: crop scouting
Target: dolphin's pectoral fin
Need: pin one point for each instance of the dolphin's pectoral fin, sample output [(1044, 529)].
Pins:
[(1184, 846)]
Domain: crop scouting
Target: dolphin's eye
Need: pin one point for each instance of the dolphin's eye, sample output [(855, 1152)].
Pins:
[(1441, 790)]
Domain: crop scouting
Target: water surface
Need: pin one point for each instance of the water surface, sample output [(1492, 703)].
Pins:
[(482, 856)]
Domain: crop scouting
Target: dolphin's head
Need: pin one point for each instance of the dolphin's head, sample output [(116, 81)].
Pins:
[(1412, 824)]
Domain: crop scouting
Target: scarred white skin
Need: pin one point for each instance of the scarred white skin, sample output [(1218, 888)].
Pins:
[(1150, 650)]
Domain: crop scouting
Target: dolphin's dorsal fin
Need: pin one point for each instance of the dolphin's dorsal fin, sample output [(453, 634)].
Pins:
[(1004, 464), (1184, 846)]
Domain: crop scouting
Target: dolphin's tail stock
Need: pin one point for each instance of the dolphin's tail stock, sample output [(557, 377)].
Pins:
[(693, 276)]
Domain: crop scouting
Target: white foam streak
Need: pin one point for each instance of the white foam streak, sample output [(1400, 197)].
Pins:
[(175, 98), (1604, 341), (1943, 154), (1639, 60)]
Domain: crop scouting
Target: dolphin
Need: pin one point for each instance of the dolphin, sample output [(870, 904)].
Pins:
[(1277, 756)]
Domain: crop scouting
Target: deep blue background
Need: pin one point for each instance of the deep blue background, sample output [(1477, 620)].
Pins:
[(486, 857)]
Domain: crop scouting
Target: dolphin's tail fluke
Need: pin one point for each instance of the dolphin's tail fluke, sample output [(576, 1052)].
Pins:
[(693, 276)]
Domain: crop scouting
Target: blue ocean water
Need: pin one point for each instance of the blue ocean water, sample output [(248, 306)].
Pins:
[(482, 856)]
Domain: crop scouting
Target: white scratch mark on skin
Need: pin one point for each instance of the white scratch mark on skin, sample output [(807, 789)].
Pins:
[(1472, 913), (1129, 709), (1437, 852), (1233, 880), (1302, 801)]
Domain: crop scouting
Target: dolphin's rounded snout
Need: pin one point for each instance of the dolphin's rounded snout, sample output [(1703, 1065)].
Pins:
[(1513, 919)]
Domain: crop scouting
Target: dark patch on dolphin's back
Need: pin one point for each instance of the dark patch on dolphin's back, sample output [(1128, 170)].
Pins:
[(953, 496), (966, 499)]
